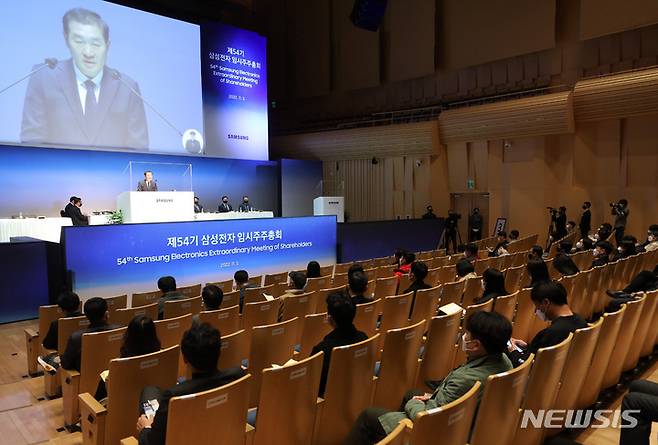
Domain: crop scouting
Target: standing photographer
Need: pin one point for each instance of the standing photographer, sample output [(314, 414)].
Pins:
[(451, 230), (620, 210)]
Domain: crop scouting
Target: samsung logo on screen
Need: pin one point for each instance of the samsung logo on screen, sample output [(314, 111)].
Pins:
[(334, 202), (164, 200), (238, 137)]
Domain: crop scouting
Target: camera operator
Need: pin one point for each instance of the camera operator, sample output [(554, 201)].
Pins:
[(586, 220), (451, 230), (475, 226), (558, 228), (620, 210)]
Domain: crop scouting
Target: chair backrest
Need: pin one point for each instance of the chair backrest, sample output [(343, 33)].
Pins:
[(385, 271), (256, 280), (399, 364), (314, 284), (425, 304), (487, 306), (255, 294), (452, 292), (230, 299), (287, 405), (449, 424), (48, 314), (67, 326), (433, 276), (176, 308), (481, 265), (385, 287), (219, 415), (342, 268), (641, 331), (591, 386), (349, 390), (298, 306), (513, 278), (170, 332), (447, 274), (623, 344), (472, 290), (271, 344), (260, 314), (440, 348), (505, 305), (122, 317), (542, 387), (131, 375), (395, 312), (340, 280), (650, 339), (235, 349), (227, 321), (525, 315), (193, 290), (321, 297), (327, 270), (116, 302), (315, 327), (98, 348), (498, 412), (276, 278), (404, 283), (366, 317), (226, 286), (145, 298)]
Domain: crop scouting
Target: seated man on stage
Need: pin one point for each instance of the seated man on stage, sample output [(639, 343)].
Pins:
[(225, 206), (72, 210), (148, 184), (245, 206)]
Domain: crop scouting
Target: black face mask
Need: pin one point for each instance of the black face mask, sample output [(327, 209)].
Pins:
[(225, 201), (584, 207)]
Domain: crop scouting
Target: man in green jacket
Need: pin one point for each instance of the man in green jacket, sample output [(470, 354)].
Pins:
[(484, 341)]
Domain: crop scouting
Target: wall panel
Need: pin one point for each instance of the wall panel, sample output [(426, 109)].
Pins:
[(602, 17), (312, 48)]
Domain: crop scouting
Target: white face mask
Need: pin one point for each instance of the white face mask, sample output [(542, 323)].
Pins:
[(482, 284), (579, 245), (464, 342), (651, 238), (596, 236), (541, 315), (619, 249)]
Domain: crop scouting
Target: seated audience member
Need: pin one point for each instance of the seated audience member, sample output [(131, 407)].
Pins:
[(140, 338), (484, 340), (212, 297), (493, 285), (571, 226), (313, 270), (651, 242), (514, 235), (241, 278), (626, 247), (356, 267), (645, 281), (465, 270), (357, 287), (563, 262), (96, 312), (471, 253), (169, 293), (296, 287), (405, 266), (69, 303), (565, 247), (417, 275), (602, 252), (603, 233), (398, 256), (501, 246), (584, 244), (201, 346), (340, 312), (538, 271), (536, 251), (642, 396), (550, 300)]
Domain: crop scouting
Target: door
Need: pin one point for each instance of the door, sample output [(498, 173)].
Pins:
[(464, 203)]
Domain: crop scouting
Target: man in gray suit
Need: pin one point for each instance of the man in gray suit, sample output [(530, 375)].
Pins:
[(148, 184)]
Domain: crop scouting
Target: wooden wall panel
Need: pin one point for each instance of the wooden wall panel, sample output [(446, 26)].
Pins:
[(410, 36), (641, 145), (312, 48), (479, 31), (602, 17), (457, 166)]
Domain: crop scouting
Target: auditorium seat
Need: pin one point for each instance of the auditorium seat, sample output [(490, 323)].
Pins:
[(230, 299), (439, 348), (122, 317), (108, 425), (498, 413), (116, 302), (98, 348), (235, 350), (340, 280), (399, 365), (366, 317), (34, 339), (395, 313), (641, 331), (513, 278), (314, 328), (176, 308), (525, 316), (447, 274), (276, 278), (404, 283), (349, 390), (425, 305), (255, 294), (327, 270), (482, 265), (256, 280), (260, 314), (341, 268), (452, 292), (226, 286), (433, 276), (652, 334), (145, 298), (386, 271), (397, 437), (505, 305), (297, 306), (472, 291), (170, 333), (227, 321), (321, 297), (315, 284), (287, 403), (190, 291)]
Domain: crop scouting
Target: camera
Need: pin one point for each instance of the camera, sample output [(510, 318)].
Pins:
[(552, 210)]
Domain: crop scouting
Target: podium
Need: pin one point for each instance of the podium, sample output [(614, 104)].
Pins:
[(330, 205), (145, 207)]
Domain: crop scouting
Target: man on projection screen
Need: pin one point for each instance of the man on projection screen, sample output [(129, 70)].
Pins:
[(81, 101)]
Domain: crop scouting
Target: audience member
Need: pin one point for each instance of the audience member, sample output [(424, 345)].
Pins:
[(501, 245), (296, 287), (212, 297), (96, 312), (430, 213), (642, 398), (465, 270), (313, 270), (536, 251), (550, 300), (356, 267), (340, 312), (201, 346), (584, 244), (405, 265), (565, 265), (398, 256), (651, 243), (620, 212), (645, 281), (493, 285), (603, 233), (357, 287), (471, 253), (514, 235), (538, 271), (241, 278), (167, 286), (140, 338), (484, 340), (602, 252), (585, 220), (69, 303), (571, 226), (417, 275), (626, 247)]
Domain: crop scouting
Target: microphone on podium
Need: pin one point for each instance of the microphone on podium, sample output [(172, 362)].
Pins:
[(50, 62)]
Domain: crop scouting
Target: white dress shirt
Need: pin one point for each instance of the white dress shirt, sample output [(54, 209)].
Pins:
[(82, 89)]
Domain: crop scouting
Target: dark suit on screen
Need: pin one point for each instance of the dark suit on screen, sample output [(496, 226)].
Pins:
[(224, 208), (76, 215), (52, 112), (143, 186)]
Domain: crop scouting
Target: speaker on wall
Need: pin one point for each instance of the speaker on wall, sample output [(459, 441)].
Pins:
[(368, 14)]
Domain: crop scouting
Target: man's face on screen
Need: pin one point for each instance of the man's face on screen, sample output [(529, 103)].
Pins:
[(88, 48), (148, 176)]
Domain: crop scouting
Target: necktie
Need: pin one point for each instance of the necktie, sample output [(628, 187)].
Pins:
[(90, 102)]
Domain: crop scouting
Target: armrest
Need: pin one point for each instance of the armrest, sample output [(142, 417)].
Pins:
[(89, 403), (407, 423), (69, 376), (31, 333), (70, 391), (32, 348), (93, 417), (129, 441), (249, 433)]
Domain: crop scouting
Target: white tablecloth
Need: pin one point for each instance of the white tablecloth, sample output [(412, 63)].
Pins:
[(232, 215), (98, 220), (47, 229)]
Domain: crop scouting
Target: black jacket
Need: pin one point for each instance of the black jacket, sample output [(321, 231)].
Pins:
[(600, 261), (360, 299), (50, 340), (337, 337), (76, 215), (223, 208), (73, 352), (156, 435), (585, 222), (565, 265)]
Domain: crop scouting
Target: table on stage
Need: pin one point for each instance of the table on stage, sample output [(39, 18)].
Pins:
[(233, 215), (47, 229)]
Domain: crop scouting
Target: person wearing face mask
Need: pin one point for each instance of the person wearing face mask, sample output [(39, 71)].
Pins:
[(585, 220), (626, 247), (602, 251), (584, 244), (550, 300), (471, 253), (484, 341), (645, 281), (225, 206), (651, 243), (245, 206), (603, 233)]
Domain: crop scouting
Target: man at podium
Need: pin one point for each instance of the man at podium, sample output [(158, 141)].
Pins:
[(148, 184)]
